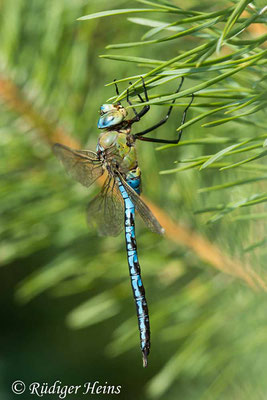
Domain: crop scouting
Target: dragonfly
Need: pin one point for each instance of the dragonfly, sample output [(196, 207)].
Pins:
[(119, 199)]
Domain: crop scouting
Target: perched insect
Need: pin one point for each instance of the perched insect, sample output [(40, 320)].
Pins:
[(120, 194)]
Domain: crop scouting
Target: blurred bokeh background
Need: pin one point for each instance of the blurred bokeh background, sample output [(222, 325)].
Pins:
[(67, 311)]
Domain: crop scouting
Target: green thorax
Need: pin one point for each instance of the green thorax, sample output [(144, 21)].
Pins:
[(117, 147)]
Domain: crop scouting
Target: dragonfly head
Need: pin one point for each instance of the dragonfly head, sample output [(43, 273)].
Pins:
[(111, 115)]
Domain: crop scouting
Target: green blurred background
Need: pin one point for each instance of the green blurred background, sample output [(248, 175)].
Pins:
[(66, 304)]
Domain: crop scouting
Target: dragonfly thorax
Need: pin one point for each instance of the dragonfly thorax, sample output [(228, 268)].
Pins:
[(111, 115), (113, 146)]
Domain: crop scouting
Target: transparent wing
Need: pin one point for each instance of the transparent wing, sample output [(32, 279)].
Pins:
[(106, 210), (82, 165), (142, 209)]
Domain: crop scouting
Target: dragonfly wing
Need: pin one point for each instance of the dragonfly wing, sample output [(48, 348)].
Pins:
[(106, 210), (82, 165), (149, 219)]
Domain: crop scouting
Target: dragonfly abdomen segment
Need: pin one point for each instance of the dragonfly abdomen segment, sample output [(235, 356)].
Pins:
[(134, 268)]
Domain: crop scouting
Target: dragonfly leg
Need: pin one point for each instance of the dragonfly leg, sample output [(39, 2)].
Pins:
[(155, 140), (163, 120), (137, 94), (129, 102), (145, 109), (117, 89)]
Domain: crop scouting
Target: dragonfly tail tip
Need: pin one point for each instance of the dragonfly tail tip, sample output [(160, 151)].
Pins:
[(145, 359)]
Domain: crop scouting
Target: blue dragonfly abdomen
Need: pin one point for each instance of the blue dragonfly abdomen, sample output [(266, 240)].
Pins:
[(133, 179)]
